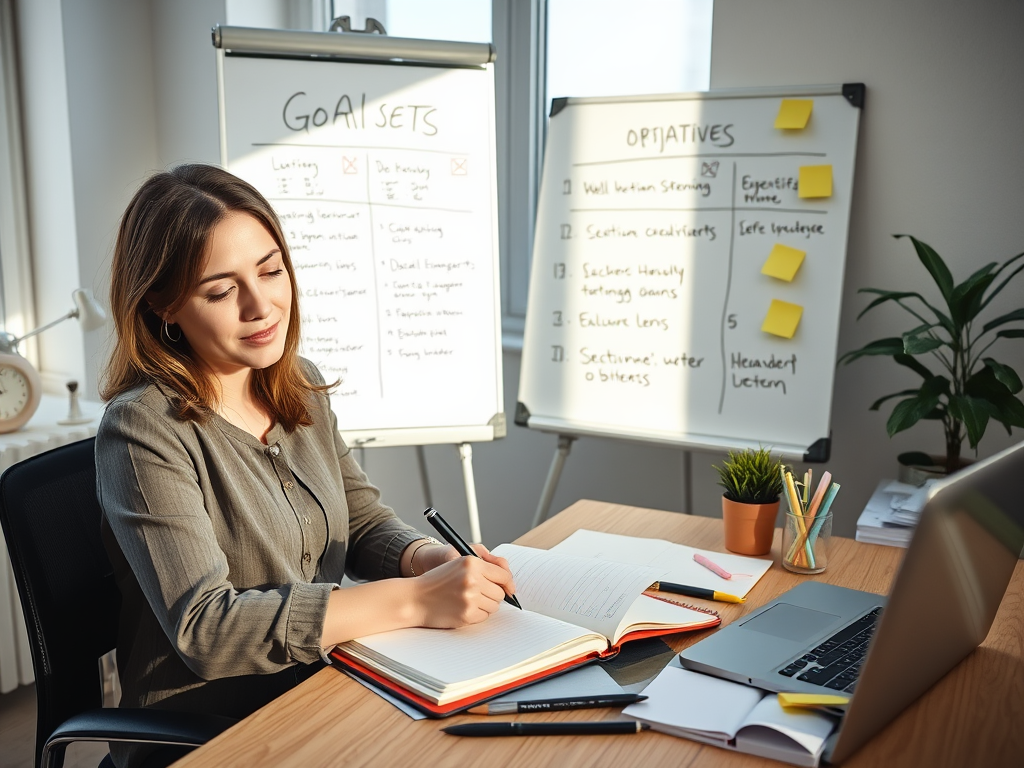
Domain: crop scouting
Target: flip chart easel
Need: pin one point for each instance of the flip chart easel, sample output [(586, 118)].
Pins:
[(378, 154), (687, 271)]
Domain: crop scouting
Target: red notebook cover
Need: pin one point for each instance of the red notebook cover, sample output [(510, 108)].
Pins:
[(431, 709)]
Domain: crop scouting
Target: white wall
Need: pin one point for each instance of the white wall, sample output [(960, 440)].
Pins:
[(938, 157)]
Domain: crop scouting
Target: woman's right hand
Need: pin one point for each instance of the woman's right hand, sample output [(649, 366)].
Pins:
[(459, 592)]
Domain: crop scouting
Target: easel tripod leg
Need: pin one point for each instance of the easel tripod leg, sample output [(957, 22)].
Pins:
[(466, 456), (544, 506)]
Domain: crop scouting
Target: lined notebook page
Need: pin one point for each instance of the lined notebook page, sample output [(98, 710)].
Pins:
[(675, 560), (591, 593), (439, 658)]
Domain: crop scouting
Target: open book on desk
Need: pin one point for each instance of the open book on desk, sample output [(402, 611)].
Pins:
[(731, 716), (675, 560), (574, 610)]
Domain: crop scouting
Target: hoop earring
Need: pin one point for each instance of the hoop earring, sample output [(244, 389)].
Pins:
[(167, 332)]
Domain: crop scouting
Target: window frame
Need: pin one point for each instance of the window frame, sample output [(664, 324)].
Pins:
[(15, 256)]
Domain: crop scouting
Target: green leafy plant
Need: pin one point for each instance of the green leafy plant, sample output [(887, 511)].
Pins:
[(751, 476), (970, 388)]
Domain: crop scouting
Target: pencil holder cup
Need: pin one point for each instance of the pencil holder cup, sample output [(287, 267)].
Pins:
[(806, 543), (749, 528)]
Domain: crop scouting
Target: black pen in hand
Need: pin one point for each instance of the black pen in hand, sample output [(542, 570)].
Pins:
[(448, 534)]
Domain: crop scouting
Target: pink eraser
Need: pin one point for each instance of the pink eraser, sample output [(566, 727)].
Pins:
[(717, 569)]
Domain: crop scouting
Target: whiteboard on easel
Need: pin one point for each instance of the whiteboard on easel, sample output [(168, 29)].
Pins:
[(685, 289), (383, 176)]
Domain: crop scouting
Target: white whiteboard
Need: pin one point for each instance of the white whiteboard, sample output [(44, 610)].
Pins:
[(646, 293), (383, 176)]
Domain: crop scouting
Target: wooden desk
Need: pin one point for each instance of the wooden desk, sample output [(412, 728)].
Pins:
[(968, 718)]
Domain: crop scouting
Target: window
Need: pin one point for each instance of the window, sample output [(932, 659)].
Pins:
[(15, 272)]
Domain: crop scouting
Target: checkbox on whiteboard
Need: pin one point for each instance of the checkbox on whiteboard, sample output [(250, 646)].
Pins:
[(348, 165), (460, 166)]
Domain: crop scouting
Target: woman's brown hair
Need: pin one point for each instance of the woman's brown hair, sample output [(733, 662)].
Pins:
[(158, 261)]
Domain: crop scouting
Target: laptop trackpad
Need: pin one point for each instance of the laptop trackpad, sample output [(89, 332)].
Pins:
[(791, 622)]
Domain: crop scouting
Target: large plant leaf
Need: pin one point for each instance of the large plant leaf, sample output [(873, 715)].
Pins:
[(1009, 317), (1010, 277), (891, 346), (975, 413), (884, 296), (908, 412), (935, 265), (1005, 374), (965, 303), (879, 401), (913, 364), (985, 386), (898, 296), (1011, 333), (918, 345)]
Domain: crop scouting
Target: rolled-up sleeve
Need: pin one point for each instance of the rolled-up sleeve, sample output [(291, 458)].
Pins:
[(151, 496)]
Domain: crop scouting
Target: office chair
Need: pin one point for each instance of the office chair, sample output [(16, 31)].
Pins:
[(51, 520)]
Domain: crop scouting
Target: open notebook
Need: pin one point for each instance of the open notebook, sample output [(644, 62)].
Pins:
[(731, 716), (575, 609)]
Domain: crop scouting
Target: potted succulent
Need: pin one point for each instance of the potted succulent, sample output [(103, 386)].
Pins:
[(960, 386), (752, 480)]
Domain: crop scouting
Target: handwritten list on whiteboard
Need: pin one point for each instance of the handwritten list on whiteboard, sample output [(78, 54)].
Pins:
[(687, 270), (383, 179)]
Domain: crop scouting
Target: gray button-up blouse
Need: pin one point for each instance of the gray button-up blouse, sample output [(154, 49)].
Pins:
[(226, 549)]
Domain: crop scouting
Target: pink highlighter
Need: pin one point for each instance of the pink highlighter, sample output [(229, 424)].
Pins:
[(716, 569)]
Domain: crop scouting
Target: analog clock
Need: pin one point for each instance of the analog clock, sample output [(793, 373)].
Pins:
[(20, 389)]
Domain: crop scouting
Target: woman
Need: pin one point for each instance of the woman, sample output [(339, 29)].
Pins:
[(232, 507)]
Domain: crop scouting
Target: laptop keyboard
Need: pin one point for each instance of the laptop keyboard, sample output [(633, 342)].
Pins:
[(835, 663)]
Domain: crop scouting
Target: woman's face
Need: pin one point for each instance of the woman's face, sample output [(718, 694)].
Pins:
[(237, 318)]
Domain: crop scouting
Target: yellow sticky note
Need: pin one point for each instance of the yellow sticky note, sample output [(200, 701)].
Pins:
[(783, 262), (815, 181), (794, 114), (782, 319), (812, 700)]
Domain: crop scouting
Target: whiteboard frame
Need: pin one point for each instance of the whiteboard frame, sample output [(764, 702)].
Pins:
[(368, 49), (817, 452)]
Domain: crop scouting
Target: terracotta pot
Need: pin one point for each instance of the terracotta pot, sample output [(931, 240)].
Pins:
[(749, 528)]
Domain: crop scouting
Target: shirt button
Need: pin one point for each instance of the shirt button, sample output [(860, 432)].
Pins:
[(306, 558), (274, 450), (288, 485)]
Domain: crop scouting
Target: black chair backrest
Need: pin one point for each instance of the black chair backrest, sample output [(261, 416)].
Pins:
[(51, 520)]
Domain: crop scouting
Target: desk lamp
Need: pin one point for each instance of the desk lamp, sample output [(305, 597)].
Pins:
[(20, 385)]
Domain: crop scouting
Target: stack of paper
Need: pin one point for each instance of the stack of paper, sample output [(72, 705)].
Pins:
[(891, 514)]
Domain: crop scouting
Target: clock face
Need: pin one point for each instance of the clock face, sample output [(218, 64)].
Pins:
[(14, 392)]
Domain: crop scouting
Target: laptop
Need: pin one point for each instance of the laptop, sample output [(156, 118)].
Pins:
[(887, 651)]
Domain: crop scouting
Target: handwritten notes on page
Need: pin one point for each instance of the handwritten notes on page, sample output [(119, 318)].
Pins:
[(592, 593)]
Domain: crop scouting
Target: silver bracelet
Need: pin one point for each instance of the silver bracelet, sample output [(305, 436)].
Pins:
[(426, 541)]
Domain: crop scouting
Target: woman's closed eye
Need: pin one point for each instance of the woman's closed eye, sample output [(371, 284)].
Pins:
[(219, 296)]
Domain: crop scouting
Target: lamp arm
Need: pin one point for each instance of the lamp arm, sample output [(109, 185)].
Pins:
[(40, 329)]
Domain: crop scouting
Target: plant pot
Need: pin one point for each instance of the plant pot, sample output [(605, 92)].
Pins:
[(749, 528), (915, 468)]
